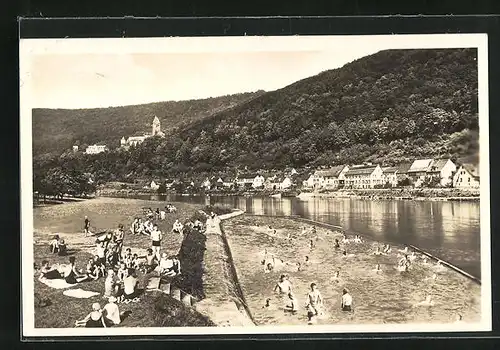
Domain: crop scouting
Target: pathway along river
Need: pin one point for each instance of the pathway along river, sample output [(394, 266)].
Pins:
[(448, 230)]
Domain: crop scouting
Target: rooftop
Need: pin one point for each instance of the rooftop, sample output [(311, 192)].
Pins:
[(361, 170)]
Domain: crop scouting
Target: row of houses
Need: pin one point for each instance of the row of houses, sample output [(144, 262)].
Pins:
[(419, 173), (252, 181)]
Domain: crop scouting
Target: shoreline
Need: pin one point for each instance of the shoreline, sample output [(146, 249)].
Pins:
[(415, 194)]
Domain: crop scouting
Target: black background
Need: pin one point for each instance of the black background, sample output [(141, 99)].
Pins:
[(40, 26)]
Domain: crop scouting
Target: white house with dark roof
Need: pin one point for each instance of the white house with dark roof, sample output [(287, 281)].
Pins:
[(443, 169), (390, 175), (364, 176), (258, 181), (466, 177), (426, 169)]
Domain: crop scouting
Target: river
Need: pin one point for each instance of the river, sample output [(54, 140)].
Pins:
[(448, 230)]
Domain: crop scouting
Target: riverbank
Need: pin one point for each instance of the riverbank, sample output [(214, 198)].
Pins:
[(155, 309), (430, 194), (384, 297)]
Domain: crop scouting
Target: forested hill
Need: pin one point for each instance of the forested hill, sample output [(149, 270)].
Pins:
[(56, 130), (388, 107)]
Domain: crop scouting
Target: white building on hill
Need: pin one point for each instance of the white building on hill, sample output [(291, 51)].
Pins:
[(137, 140), (95, 149)]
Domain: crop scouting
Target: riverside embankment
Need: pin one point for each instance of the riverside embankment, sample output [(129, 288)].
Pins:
[(224, 301)]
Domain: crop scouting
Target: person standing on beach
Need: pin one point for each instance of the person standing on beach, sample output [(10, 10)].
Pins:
[(156, 237), (86, 226)]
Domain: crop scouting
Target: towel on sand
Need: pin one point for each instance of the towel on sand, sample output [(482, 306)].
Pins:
[(79, 293), (57, 283)]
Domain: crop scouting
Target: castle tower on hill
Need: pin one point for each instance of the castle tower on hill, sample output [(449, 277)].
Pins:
[(157, 127), (136, 140)]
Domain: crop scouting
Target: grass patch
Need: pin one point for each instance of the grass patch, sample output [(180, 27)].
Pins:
[(155, 309)]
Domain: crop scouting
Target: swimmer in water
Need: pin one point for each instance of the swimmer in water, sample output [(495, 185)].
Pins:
[(292, 307), (404, 251), (377, 268), (298, 266), (459, 318), (427, 302), (357, 239), (344, 238), (404, 263), (284, 286), (345, 255), (314, 302), (387, 249), (311, 244), (306, 259), (268, 300), (269, 267), (412, 256), (336, 245), (336, 275), (378, 252)]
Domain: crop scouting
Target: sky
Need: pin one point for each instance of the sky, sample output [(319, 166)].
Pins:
[(91, 73), (93, 80)]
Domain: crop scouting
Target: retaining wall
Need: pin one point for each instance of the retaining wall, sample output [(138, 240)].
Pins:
[(224, 302)]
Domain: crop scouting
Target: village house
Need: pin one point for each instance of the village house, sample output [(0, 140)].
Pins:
[(258, 182), (364, 176), (442, 169), (316, 180), (390, 176), (418, 171), (334, 177), (466, 177), (286, 183), (137, 140), (154, 185), (402, 173), (206, 185), (95, 149), (272, 183), (423, 170), (245, 180)]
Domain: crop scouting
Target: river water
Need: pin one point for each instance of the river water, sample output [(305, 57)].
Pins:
[(447, 229)]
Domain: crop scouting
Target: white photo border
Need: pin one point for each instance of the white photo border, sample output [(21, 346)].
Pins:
[(32, 47)]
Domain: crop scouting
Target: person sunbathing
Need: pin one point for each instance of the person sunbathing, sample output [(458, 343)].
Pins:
[(72, 275), (151, 261), (92, 270), (62, 248), (177, 227), (110, 285), (94, 319), (54, 244), (111, 312), (129, 291), (169, 266), (49, 272)]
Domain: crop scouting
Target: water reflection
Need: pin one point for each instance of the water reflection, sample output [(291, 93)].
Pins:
[(448, 229)]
